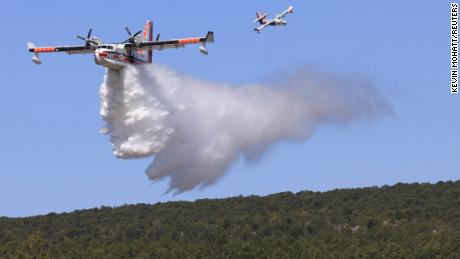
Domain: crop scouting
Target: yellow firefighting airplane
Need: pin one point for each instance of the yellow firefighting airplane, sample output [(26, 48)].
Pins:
[(137, 49)]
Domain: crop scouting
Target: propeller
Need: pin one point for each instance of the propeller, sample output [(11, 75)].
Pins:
[(132, 37), (88, 39)]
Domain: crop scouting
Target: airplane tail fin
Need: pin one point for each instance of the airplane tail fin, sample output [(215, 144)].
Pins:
[(147, 35), (148, 31), (260, 17)]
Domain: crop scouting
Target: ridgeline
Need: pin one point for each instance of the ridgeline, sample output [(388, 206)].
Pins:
[(400, 221)]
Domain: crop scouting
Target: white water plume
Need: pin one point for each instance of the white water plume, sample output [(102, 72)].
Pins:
[(196, 129)]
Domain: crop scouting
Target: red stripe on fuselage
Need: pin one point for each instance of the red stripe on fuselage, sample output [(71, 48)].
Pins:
[(120, 57)]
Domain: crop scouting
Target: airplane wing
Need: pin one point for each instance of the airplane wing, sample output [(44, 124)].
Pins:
[(167, 44), (289, 10), (69, 49), (258, 29)]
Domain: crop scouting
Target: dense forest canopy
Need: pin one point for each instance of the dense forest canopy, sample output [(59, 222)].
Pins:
[(400, 221)]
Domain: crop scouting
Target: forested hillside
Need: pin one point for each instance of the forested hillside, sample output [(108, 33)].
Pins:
[(400, 221)]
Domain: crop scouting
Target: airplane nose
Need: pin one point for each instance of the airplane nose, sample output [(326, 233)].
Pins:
[(99, 56)]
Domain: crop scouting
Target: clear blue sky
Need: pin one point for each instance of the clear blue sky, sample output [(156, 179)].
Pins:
[(53, 158)]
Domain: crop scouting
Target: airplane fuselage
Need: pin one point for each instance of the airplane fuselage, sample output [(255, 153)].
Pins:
[(278, 21), (274, 22), (115, 56)]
